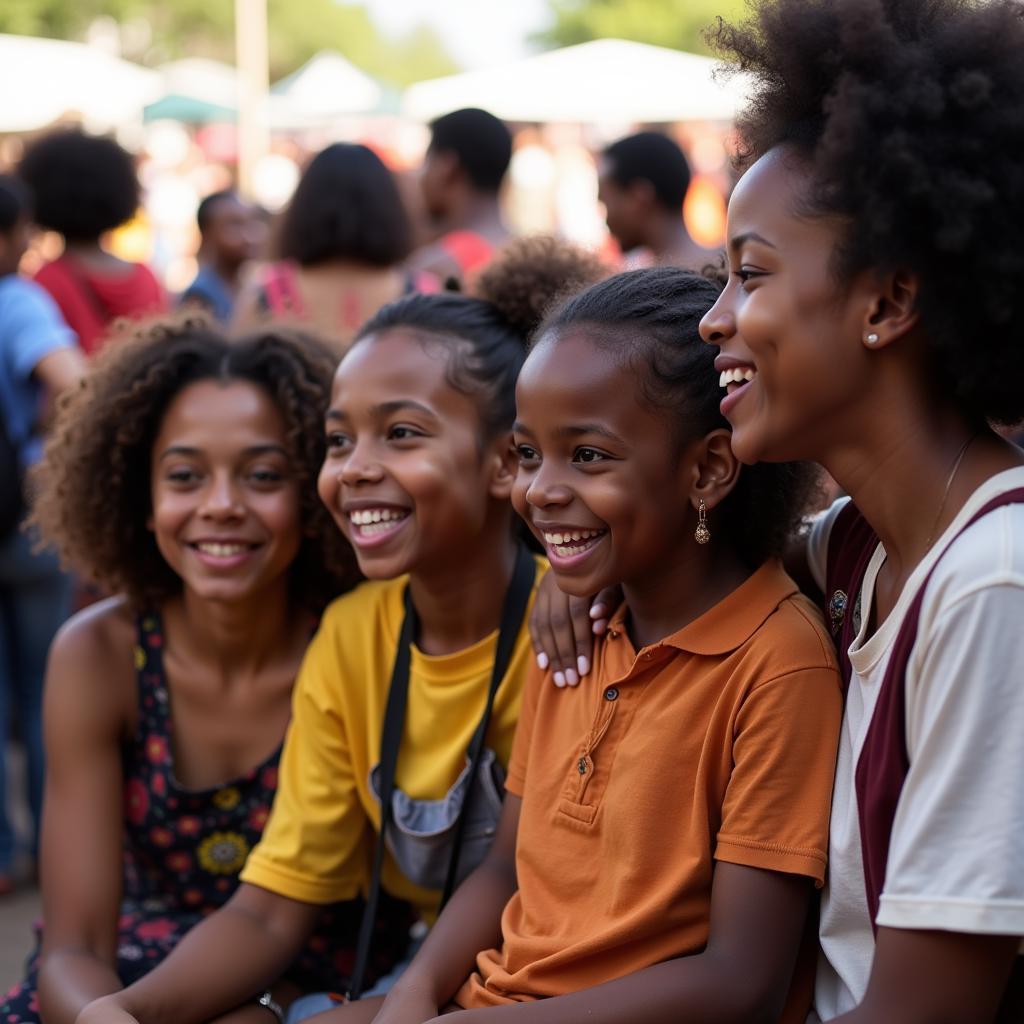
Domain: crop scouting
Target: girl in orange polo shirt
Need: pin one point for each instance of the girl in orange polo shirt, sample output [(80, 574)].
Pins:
[(667, 822)]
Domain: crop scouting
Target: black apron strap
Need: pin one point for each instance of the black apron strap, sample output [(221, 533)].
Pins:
[(391, 737), (513, 613)]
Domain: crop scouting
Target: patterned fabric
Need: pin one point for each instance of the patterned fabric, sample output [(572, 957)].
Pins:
[(183, 850)]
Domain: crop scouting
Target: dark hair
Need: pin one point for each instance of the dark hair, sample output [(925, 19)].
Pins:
[(346, 206), (204, 212), (14, 202), (82, 185), (487, 336), (653, 157), (481, 143), (910, 115), (652, 318), (92, 487)]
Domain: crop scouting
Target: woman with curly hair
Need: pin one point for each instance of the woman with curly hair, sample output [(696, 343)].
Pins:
[(873, 322), (84, 186), (181, 476), (340, 245)]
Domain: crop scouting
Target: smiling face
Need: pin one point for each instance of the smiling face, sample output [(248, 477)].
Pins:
[(225, 502), (407, 478), (793, 363), (601, 482)]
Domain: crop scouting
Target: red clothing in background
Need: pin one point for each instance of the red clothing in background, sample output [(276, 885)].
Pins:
[(90, 301)]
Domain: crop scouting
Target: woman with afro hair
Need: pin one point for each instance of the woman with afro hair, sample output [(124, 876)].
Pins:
[(84, 186), (180, 478), (874, 322)]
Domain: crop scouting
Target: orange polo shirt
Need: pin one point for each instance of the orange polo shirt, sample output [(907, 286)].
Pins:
[(718, 743)]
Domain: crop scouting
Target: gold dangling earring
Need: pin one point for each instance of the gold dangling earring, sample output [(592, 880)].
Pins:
[(702, 534)]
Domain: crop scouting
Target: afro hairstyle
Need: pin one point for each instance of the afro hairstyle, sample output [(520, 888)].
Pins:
[(910, 116), (82, 185)]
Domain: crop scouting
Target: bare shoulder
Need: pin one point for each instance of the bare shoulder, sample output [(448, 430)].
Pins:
[(98, 631), (93, 656)]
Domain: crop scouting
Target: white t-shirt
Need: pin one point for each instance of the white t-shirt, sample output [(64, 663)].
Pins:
[(956, 854)]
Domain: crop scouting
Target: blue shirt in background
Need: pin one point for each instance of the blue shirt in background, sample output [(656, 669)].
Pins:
[(212, 291), (31, 327)]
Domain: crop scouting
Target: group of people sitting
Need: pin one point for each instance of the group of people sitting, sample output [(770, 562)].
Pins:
[(500, 669)]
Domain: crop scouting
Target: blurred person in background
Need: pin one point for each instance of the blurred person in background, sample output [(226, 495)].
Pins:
[(232, 234), (340, 247), (463, 170), (84, 186), (38, 361), (643, 180)]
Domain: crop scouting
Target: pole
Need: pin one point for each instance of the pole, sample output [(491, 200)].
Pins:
[(253, 84)]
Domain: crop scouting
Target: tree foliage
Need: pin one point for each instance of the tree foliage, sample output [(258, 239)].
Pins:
[(297, 28), (678, 24)]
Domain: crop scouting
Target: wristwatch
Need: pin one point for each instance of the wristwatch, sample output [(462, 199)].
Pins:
[(268, 1000)]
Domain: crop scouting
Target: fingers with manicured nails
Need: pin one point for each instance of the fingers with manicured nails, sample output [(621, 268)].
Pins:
[(563, 657), (538, 614), (603, 605)]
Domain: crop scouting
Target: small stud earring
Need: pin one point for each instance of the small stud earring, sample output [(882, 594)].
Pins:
[(702, 534), (872, 338)]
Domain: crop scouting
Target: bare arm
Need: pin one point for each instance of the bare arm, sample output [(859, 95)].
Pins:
[(743, 976), (60, 370), (933, 977), (470, 923), (84, 719), (221, 963)]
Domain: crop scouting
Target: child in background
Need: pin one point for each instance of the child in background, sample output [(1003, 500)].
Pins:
[(873, 322), (666, 823), (181, 477), (417, 475)]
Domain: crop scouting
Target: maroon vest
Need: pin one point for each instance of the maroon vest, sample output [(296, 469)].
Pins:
[(883, 763)]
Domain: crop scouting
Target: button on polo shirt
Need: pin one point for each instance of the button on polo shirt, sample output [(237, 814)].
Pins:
[(717, 743)]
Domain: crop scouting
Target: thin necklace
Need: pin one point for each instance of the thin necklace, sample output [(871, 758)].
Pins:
[(945, 493)]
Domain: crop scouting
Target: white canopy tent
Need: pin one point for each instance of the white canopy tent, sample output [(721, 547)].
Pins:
[(604, 81), (326, 87), (42, 80)]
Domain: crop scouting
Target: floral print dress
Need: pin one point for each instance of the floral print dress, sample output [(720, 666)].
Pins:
[(184, 849)]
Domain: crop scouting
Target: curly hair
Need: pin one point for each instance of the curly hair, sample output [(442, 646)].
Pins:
[(346, 206), (487, 336), (92, 491), (82, 185), (910, 115), (651, 317), (530, 274)]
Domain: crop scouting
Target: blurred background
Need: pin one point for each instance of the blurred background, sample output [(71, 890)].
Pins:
[(210, 94)]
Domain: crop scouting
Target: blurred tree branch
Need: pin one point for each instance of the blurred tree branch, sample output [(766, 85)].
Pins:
[(201, 28), (678, 24)]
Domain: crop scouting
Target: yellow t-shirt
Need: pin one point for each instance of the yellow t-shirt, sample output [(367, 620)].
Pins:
[(317, 846)]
